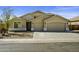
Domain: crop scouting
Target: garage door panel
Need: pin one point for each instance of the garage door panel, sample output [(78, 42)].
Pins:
[(55, 27)]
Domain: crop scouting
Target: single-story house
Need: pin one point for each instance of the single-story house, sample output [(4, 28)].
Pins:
[(74, 23), (39, 21)]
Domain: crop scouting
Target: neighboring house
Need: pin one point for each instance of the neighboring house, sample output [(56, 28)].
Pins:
[(74, 23), (38, 21)]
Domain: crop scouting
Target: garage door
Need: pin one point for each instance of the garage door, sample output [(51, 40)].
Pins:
[(57, 27)]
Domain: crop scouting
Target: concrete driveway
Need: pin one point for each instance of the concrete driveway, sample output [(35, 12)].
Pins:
[(56, 36)]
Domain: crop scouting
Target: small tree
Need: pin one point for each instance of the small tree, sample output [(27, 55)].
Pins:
[(6, 14)]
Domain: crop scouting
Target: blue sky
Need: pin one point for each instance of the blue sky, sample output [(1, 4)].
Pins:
[(65, 11)]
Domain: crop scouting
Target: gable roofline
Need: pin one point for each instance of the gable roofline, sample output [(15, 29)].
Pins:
[(63, 17), (38, 11), (51, 15)]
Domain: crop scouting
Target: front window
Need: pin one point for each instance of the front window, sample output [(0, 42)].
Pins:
[(16, 24)]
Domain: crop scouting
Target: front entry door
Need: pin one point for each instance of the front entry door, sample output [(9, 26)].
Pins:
[(28, 26)]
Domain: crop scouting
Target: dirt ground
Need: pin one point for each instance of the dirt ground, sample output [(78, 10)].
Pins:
[(19, 35)]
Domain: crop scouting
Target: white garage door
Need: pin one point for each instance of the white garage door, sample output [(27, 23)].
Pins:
[(57, 27)]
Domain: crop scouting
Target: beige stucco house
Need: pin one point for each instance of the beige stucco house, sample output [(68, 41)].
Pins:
[(38, 21), (74, 23)]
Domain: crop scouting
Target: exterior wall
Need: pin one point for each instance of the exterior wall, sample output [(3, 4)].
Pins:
[(21, 25), (37, 14), (32, 16), (28, 17), (56, 19), (37, 25), (17, 29)]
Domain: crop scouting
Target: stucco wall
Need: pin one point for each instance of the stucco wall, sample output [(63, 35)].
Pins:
[(21, 25), (37, 25), (56, 19)]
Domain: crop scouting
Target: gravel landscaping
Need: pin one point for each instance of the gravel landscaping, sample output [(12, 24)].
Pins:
[(19, 35)]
